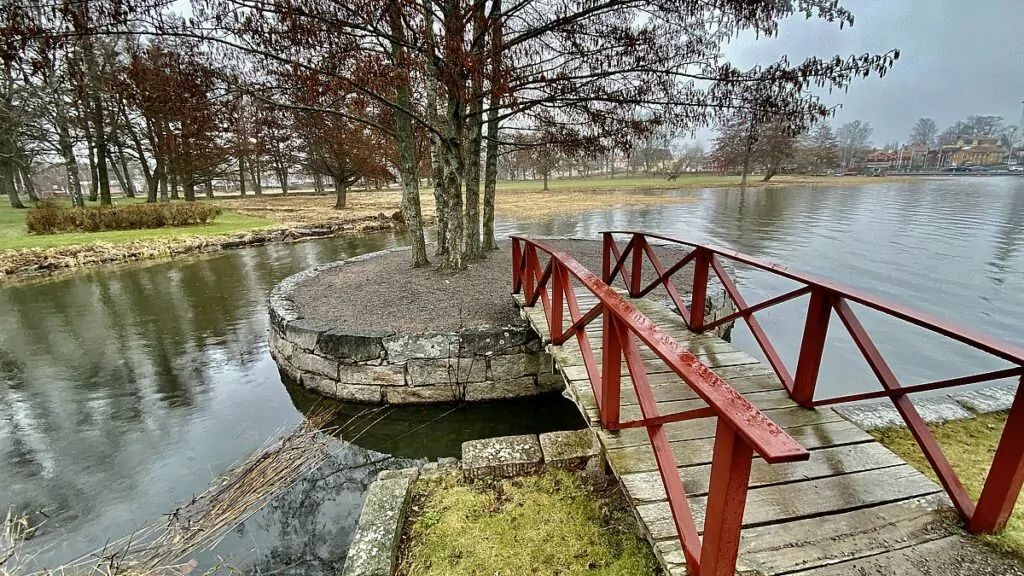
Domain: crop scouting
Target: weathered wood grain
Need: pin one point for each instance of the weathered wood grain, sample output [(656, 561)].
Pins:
[(783, 502), (824, 542), (831, 461), (705, 427), (956, 555)]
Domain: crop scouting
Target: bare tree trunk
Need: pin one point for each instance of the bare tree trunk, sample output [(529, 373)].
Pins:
[(208, 188), (545, 175), (93, 175), (282, 178), (748, 153), (119, 175), (7, 182), (70, 162), (318, 183), (161, 169), (408, 166), (436, 173), (341, 189), (102, 151), (189, 185), (491, 159), (152, 186), (129, 191), (174, 187), (474, 136), (26, 183), (472, 221), (241, 175), (256, 173)]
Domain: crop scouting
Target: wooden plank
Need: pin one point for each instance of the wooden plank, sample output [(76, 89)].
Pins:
[(570, 350), (831, 461), (729, 373), (657, 366), (771, 400), (820, 542), (672, 389), (951, 556), (705, 427), (697, 452), (784, 502)]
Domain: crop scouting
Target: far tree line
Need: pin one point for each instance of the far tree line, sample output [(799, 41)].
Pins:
[(746, 146)]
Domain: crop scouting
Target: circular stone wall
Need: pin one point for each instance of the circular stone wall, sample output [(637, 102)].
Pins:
[(403, 344), (476, 363)]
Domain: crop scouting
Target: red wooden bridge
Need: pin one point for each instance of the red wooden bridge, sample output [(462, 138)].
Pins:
[(732, 465)]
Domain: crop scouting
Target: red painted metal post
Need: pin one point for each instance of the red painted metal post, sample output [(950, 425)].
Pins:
[(607, 241), (1006, 476), (611, 369), (530, 255), (819, 310), (517, 261), (558, 281), (638, 265), (924, 437), (727, 498), (698, 302)]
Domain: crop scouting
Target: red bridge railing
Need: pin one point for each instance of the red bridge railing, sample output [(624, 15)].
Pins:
[(1006, 475), (741, 428)]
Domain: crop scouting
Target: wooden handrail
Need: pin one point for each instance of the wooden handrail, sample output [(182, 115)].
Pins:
[(766, 438)]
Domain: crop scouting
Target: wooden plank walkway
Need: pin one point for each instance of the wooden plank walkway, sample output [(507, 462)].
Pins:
[(853, 508)]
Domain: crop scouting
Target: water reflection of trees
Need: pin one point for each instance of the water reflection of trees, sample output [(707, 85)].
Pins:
[(1008, 238), (102, 368), (308, 528)]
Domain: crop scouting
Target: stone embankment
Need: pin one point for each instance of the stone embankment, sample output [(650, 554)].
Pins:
[(934, 410), (385, 367)]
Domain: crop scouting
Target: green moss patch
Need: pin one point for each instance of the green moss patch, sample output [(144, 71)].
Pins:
[(970, 446), (554, 523)]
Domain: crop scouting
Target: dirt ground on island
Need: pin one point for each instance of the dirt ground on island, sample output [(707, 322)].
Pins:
[(385, 293)]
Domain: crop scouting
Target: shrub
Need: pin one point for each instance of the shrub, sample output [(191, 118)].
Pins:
[(48, 218), (51, 218)]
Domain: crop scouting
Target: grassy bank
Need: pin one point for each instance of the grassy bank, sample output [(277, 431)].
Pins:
[(555, 523), (970, 446)]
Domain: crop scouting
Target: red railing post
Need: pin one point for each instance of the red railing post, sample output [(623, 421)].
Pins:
[(1006, 475), (638, 264), (698, 301), (812, 346), (530, 255), (607, 241), (517, 261), (727, 498), (557, 299), (611, 370)]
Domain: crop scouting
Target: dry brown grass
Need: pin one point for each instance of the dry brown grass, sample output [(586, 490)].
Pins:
[(522, 205), (311, 210)]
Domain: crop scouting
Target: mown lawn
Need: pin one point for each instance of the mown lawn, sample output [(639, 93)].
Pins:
[(970, 446), (555, 523), (14, 235)]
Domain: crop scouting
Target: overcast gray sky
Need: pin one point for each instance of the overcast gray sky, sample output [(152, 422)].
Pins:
[(957, 58)]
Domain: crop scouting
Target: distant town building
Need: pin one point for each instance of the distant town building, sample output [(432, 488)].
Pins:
[(973, 151)]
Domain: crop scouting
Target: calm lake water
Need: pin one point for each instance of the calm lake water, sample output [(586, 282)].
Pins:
[(124, 390), (952, 247)]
